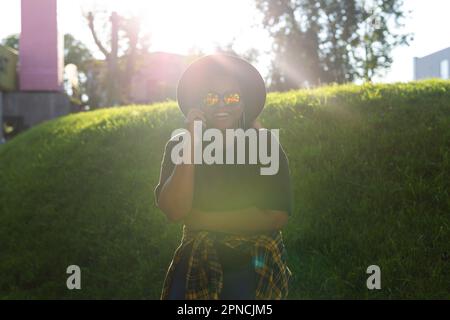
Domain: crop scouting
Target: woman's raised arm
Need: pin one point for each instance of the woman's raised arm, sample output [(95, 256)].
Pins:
[(176, 193)]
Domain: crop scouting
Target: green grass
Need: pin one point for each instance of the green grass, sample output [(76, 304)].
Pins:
[(371, 174)]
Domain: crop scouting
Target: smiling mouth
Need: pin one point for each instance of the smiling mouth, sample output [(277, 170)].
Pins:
[(221, 115)]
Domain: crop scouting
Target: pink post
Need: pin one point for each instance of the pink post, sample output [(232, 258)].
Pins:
[(41, 47)]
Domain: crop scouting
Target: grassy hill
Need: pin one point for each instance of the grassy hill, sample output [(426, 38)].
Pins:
[(371, 171)]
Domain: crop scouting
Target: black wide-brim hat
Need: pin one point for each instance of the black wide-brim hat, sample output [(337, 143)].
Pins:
[(195, 78)]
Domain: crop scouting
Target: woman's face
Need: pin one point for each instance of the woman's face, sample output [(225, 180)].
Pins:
[(222, 116)]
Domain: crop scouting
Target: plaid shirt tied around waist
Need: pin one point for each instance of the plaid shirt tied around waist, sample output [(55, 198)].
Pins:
[(204, 278)]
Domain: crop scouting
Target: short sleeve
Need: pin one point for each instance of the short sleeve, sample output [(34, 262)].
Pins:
[(279, 195), (167, 167)]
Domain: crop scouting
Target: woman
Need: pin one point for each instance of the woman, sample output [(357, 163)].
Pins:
[(232, 246)]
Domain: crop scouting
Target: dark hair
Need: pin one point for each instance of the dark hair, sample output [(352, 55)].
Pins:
[(242, 121)]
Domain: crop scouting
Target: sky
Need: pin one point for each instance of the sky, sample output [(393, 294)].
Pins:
[(178, 25)]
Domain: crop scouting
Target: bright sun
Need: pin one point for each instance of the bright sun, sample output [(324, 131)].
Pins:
[(177, 25)]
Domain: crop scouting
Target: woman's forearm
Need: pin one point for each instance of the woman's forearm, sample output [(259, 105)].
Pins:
[(175, 198), (250, 220)]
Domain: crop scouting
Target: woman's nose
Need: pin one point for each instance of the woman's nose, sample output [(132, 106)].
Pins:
[(221, 103)]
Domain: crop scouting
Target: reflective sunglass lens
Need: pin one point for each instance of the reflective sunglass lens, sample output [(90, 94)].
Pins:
[(232, 98), (211, 99)]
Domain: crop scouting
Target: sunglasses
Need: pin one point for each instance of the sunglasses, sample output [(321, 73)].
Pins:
[(212, 99)]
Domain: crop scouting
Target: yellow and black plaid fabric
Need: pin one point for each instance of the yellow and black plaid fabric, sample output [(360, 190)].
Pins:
[(204, 278)]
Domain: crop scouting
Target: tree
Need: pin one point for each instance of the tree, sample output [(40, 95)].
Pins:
[(251, 55), (11, 41), (323, 41), (126, 43), (76, 52)]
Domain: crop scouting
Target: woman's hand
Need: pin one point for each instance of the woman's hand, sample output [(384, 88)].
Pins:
[(193, 115), (194, 220)]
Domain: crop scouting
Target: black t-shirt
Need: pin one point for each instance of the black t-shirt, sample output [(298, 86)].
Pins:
[(222, 187)]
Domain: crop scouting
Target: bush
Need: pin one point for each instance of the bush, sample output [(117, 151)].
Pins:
[(370, 167)]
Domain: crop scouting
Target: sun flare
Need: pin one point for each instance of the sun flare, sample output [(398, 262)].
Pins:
[(177, 26)]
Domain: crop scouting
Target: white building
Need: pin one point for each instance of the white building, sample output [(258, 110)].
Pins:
[(435, 65)]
